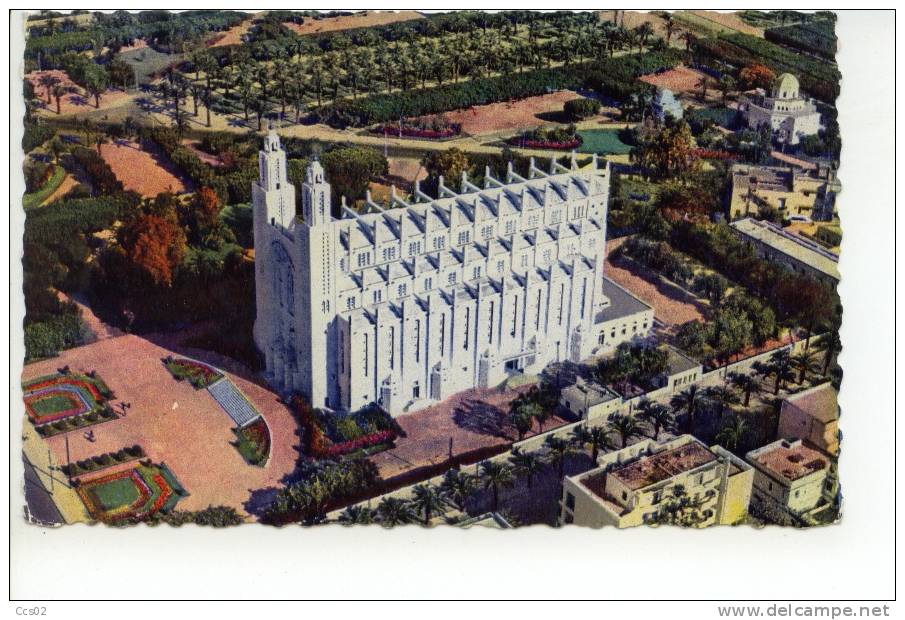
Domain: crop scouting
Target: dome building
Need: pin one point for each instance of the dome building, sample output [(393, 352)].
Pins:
[(790, 115)]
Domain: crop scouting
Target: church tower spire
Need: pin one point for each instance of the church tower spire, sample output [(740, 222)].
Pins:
[(315, 195), (273, 191)]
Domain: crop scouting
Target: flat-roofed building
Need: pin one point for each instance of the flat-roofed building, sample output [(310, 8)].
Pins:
[(681, 370), (813, 416), (803, 194), (633, 486), (790, 479), (799, 254), (589, 400)]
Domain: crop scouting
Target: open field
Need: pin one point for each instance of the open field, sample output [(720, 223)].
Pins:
[(76, 100), (361, 20), (141, 171), (175, 424), (717, 22), (511, 115), (233, 36), (680, 80)]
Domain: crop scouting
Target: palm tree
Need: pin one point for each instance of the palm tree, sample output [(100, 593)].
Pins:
[(658, 416), (429, 501), (805, 362), (726, 85), (357, 515), (780, 365), (691, 399), (594, 437), (644, 31), (557, 451), (830, 344), (625, 426), (393, 511), (746, 384), (703, 84), (669, 23), (58, 91), (459, 486), (722, 396), (689, 40), (494, 476), (527, 464), (48, 81), (733, 433), (522, 412)]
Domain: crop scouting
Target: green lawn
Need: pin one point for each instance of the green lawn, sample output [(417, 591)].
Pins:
[(36, 198), (602, 142), (53, 404), (116, 493)]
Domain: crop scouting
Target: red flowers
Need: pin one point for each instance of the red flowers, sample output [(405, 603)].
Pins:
[(367, 441)]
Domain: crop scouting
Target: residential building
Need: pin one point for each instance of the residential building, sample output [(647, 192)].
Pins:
[(808, 195), (790, 115), (589, 400), (635, 485), (812, 416), (681, 370), (407, 303), (795, 252), (791, 480)]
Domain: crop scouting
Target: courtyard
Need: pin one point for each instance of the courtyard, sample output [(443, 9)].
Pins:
[(178, 426)]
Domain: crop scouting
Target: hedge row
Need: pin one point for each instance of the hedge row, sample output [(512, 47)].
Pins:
[(819, 78), (614, 77), (101, 175), (817, 37)]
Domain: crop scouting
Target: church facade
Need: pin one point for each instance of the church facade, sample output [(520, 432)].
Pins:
[(408, 303)]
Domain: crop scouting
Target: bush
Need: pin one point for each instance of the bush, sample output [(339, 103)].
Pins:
[(581, 108)]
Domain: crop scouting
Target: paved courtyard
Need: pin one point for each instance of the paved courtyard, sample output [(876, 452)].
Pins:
[(473, 420), (175, 424)]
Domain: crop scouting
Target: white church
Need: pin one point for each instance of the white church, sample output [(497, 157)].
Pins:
[(408, 303), (790, 115)]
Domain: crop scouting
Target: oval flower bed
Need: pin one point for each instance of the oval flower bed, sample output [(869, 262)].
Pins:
[(253, 442), (198, 374)]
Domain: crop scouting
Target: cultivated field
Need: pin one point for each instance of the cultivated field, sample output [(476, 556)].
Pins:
[(76, 100), (361, 20), (141, 171), (717, 22)]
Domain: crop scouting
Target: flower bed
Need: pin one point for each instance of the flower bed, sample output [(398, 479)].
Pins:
[(130, 495), (330, 436), (368, 441), (253, 442), (714, 154), (416, 132), (539, 144), (63, 401), (198, 374)]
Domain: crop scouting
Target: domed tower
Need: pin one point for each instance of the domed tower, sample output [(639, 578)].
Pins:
[(785, 87)]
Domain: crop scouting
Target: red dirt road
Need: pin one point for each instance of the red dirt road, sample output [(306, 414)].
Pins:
[(174, 423)]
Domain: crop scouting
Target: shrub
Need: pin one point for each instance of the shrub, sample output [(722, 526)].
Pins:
[(581, 108)]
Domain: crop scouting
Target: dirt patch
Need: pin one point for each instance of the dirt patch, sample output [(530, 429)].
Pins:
[(137, 44), (76, 99), (68, 183), (680, 80), (233, 36), (731, 21), (359, 20), (671, 306), (140, 171), (175, 424), (409, 170), (509, 116), (633, 19), (210, 160)]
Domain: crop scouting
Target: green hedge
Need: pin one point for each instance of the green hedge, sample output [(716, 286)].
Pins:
[(614, 77), (818, 37)]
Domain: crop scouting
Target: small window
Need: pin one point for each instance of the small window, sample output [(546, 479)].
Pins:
[(451, 278), (570, 501)]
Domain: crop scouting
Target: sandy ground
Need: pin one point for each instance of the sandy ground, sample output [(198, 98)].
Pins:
[(509, 116), (140, 170), (407, 169), (76, 101), (672, 306), (368, 18), (471, 419), (174, 423), (679, 80), (68, 183), (728, 20), (233, 36)]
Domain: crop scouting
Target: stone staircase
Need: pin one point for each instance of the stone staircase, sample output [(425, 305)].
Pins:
[(233, 401)]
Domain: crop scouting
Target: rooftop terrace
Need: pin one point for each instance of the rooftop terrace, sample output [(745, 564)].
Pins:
[(790, 460), (667, 464)]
